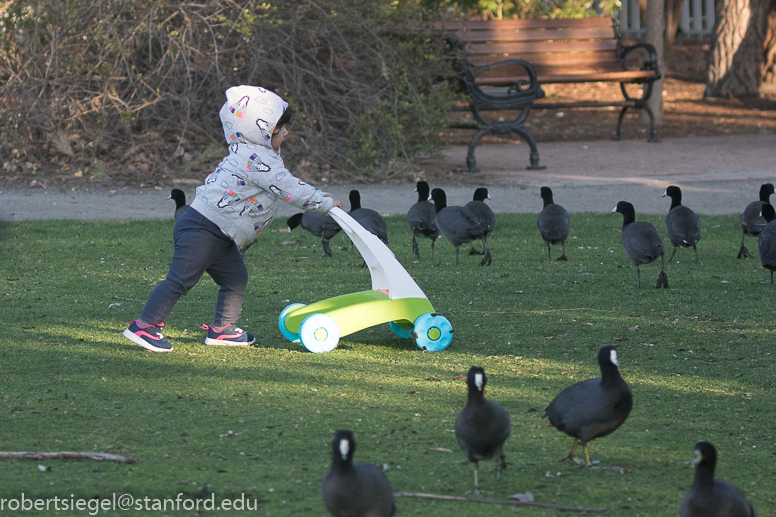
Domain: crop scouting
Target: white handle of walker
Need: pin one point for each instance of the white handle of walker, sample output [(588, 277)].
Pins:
[(388, 276)]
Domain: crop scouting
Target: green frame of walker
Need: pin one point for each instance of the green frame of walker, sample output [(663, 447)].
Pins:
[(395, 299)]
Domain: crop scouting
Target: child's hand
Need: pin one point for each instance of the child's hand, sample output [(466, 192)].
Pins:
[(338, 204)]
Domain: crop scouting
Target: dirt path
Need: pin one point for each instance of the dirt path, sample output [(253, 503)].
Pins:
[(718, 175)]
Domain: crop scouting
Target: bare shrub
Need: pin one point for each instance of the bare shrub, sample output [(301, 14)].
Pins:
[(138, 84)]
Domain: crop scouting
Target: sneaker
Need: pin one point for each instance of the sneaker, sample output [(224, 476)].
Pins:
[(148, 337), (230, 335)]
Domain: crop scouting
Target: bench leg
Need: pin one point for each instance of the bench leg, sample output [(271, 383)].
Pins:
[(471, 161), (534, 150), (652, 129), (618, 134)]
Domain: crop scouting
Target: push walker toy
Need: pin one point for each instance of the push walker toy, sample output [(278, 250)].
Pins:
[(395, 299)]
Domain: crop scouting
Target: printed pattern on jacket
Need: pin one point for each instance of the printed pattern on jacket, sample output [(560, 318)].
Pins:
[(241, 195)]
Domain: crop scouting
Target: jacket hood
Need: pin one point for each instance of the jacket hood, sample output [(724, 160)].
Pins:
[(250, 114)]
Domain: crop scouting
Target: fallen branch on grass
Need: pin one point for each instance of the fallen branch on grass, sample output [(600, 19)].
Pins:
[(96, 456), (558, 507), (540, 311)]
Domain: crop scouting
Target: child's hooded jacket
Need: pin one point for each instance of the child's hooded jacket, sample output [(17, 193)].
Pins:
[(241, 195)]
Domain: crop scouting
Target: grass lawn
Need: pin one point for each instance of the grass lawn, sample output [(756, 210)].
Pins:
[(258, 422)]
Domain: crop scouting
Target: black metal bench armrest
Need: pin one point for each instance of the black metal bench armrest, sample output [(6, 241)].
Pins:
[(454, 42), (532, 82), (521, 92), (651, 64), (507, 62)]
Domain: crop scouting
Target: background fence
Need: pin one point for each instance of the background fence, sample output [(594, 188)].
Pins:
[(697, 18)]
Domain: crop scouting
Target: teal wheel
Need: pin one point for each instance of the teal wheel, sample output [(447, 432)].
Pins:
[(402, 332), (291, 336), (432, 332), (319, 333)]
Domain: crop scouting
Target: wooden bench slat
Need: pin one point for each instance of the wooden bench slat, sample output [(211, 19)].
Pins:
[(546, 71), (536, 35), (570, 78), (598, 21), (564, 68), (552, 71), (538, 47), (604, 59)]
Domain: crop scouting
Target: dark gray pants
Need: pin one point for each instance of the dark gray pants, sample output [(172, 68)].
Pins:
[(200, 246)]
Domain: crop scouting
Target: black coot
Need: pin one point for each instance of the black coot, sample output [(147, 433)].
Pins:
[(483, 212), (352, 489), (483, 426), (682, 224), (709, 497), (593, 408), (767, 240), (752, 222), (179, 197), (368, 218), (641, 241), (459, 225), (422, 219), (317, 223), (553, 222)]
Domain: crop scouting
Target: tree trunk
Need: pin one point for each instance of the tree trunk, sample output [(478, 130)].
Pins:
[(673, 17), (642, 12), (769, 63), (673, 13), (656, 35), (736, 59)]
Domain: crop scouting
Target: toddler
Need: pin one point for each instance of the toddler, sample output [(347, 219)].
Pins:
[(237, 201)]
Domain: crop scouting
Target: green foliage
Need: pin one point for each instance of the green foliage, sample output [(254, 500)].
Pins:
[(699, 358), (150, 73), (393, 130)]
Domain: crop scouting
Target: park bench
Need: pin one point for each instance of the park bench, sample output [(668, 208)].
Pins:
[(503, 63)]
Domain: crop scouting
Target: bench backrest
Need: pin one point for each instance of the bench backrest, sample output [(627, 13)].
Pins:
[(562, 47)]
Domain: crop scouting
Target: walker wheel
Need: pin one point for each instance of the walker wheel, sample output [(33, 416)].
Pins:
[(291, 336), (402, 332), (319, 333), (432, 332)]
